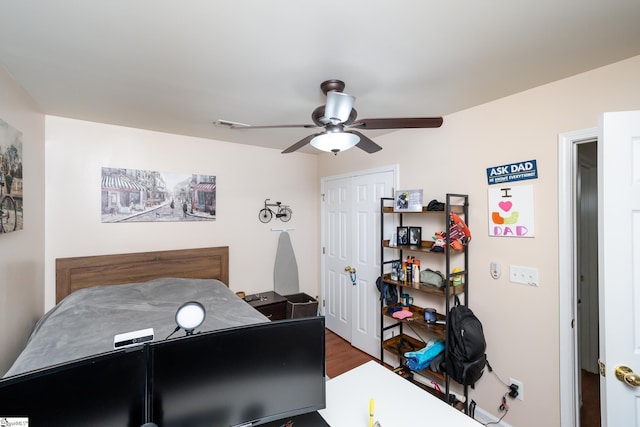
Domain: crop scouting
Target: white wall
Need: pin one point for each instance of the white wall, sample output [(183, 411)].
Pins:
[(521, 323), (22, 252), (245, 175)]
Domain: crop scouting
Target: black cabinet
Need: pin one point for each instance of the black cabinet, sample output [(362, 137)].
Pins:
[(269, 303)]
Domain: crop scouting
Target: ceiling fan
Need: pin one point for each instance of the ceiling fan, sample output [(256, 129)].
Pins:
[(340, 131)]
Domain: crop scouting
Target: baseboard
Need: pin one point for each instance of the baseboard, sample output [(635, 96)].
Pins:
[(484, 417)]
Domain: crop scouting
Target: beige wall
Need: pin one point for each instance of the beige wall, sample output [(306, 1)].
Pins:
[(521, 323), (245, 176), (22, 252)]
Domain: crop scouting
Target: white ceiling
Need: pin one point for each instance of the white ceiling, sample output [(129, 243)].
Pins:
[(177, 66)]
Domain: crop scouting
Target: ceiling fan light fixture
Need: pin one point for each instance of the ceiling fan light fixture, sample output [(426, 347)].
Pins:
[(335, 142)]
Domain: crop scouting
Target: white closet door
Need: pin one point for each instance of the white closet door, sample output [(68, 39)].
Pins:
[(352, 238)]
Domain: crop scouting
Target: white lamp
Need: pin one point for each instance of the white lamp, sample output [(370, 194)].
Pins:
[(189, 316), (334, 142)]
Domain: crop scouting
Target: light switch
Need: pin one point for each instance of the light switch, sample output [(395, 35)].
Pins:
[(523, 275)]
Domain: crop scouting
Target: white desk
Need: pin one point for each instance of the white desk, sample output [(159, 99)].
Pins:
[(398, 402)]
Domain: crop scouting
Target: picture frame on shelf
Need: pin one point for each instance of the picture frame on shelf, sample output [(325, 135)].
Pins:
[(408, 201), (402, 234), (415, 236)]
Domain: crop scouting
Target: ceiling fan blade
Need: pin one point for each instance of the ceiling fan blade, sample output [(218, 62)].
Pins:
[(398, 123), (307, 126), (338, 107), (365, 143), (298, 145)]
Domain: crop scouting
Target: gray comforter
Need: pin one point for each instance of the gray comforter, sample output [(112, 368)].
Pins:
[(85, 322)]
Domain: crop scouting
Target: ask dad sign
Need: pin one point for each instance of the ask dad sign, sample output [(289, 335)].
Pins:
[(512, 172)]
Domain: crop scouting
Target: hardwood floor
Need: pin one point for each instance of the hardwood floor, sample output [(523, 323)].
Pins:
[(590, 410), (341, 356)]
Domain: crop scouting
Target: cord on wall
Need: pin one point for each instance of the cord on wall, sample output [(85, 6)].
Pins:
[(512, 393), (504, 407)]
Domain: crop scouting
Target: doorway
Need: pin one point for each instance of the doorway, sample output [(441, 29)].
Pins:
[(586, 280), (579, 312)]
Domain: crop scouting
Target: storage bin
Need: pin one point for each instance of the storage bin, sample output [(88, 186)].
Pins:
[(301, 305)]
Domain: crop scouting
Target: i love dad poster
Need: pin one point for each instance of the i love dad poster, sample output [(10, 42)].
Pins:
[(511, 211)]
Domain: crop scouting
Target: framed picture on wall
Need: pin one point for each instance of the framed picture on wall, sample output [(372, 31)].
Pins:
[(408, 201), (403, 235), (135, 195), (415, 236), (11, 179)]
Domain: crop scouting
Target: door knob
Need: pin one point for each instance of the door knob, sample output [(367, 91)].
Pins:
[(626, 375), (352, 274)]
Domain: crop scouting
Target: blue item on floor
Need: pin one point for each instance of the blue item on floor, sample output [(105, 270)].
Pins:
[(418, 360)]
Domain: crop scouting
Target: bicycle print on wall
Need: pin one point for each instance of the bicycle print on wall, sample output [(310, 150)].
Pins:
[(133, 195), (11, 194), (283, 212)]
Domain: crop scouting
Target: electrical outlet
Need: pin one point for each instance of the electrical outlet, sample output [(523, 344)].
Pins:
[(520, 388)]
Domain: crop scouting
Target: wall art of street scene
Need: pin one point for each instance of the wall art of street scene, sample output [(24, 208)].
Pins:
[(11, 196), (132, 195)]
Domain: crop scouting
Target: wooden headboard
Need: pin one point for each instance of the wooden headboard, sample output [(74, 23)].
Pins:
[(84, 272)]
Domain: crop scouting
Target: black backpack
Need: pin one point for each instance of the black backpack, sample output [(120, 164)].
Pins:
[(466, 345)]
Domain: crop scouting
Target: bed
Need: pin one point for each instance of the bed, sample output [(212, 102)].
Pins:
[(98, 297)]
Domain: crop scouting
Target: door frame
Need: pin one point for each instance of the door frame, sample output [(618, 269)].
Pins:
[(567, 253), (394, 168)]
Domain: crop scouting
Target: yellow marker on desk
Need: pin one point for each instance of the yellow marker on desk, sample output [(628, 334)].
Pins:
[(371, 412)]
